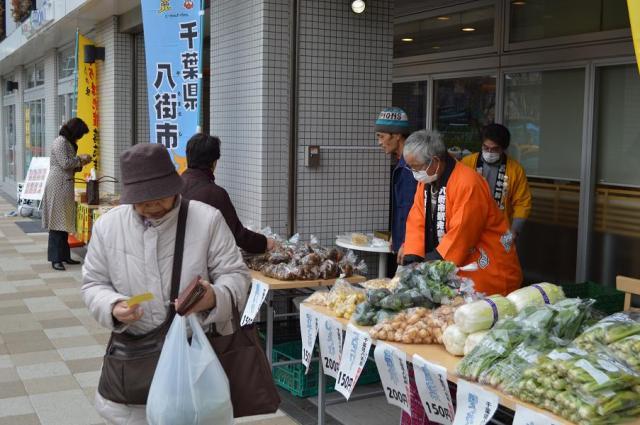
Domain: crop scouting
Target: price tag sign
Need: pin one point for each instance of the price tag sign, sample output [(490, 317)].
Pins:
[(431, 380), (330, 334), (309, 330), (476, 406), (525, 416), (355, 353), (392, 366), (257, 296)]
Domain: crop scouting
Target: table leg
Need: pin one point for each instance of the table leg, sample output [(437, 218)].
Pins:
[(382, 265), (321, 395), (270, 313)]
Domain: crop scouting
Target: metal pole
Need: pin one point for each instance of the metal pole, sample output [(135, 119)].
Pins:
[(269, 342), (321, 396)]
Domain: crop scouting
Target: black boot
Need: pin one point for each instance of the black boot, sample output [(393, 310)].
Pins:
[(58, 266), (70, 261)]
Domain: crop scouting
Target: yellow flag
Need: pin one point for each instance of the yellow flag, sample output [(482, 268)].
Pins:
[(87, 107), (634, 18)]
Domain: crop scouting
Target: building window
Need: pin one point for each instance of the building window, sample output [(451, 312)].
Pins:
[(544, 112), (540, 19), (616, 225), (412, 97), (9, 154), (35, 75), (461, 107), (33, 130), (446, 32), (67, 105), (66, 62)]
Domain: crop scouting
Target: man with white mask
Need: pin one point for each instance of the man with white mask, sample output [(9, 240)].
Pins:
[(455, 218), (506, 177)]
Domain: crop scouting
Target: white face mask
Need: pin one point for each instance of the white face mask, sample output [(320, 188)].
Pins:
[(423, 177), (491, 157)]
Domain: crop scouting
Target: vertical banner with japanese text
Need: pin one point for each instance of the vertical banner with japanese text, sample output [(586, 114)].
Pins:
[(87, 107), (634, 19), (173, 50)]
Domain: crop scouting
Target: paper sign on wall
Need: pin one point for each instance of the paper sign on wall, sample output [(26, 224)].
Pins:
[(259, 291), (431, 381), (476, 406), (355, 353), (330, 335), (309, 331), (392, 367)]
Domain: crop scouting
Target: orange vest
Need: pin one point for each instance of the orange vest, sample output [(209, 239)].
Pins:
[(471, 229)]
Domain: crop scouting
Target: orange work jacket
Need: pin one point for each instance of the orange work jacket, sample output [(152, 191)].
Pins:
[(468, 227)]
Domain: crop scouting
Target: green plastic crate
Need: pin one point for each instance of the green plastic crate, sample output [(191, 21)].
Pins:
[(608, 300), (292, 378)]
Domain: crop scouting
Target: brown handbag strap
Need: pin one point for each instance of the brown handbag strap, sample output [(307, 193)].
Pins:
[(177, 257), (235, 319)]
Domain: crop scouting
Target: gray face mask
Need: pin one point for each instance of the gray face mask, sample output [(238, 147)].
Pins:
[(491, 157)]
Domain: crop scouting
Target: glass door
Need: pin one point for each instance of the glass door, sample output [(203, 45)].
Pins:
[(9, 143)]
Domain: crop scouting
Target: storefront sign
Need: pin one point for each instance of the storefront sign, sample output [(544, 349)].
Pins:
[(475, 405), (330, 335), (87, 109), (309, 331), (392, 366), (173, 49), (431, 381), (33, 187), (526, 416), (355, 353), (39, 19), (259, 291)]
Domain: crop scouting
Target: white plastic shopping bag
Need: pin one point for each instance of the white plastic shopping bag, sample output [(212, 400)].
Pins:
[(189, 386)]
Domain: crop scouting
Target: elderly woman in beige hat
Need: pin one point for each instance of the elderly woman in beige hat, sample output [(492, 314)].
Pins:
[(132, 252)]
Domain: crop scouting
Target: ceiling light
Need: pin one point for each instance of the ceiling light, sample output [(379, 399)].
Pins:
[(407, 39), (519, 3), (443, 18), (468, 29), (358, 6), (436, 47)]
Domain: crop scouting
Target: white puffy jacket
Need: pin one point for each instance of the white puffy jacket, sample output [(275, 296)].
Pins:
[(128, 256)]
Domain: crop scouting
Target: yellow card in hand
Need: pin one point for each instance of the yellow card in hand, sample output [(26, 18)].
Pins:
[(137, 299)]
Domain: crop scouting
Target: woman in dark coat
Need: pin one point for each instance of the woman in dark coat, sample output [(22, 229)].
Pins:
[(58, 204)]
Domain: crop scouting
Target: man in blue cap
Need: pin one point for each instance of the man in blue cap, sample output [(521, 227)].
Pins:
[(392, 128)]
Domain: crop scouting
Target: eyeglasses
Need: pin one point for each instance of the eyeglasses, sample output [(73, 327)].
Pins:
[(487, 149)]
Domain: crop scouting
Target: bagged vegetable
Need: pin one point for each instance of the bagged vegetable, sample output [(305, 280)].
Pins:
[(473, 340), (365, 314), (379, 284), (483, 314), (320, 297), (344, 297), (454, 340), (610, 330), (538, 294), (189, 386), (628, 350)]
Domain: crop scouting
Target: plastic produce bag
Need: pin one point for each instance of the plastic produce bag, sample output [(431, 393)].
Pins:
[(189, 386), (454, 340), (473, 340), (538, 294), (483, 314)]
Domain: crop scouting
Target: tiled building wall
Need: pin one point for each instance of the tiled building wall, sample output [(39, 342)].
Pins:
[(344, 81), (142, 114), (115, 100), (275, 104), (50, 99), (248, 106)]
